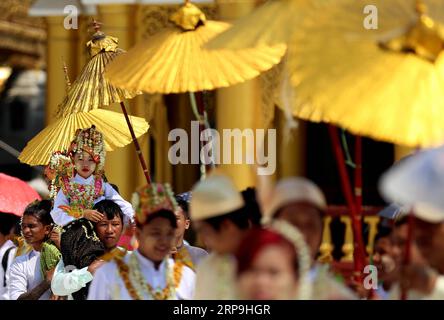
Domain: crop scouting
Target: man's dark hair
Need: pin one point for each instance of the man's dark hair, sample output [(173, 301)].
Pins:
[(252, 208), (239, 217), (7, 222), (183, 201), (41, 210), (384, 229), (109, 208), (401, 221), (167, 214), (183, 204)]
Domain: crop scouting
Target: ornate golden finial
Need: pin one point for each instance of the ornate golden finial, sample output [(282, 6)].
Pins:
[(188, 17), (425, 37), (99, 41), (96, 26), (65, 70), (420, 7)]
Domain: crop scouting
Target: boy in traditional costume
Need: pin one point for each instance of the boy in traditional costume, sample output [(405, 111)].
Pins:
[(148, 273), (78, 181), (218, 214)]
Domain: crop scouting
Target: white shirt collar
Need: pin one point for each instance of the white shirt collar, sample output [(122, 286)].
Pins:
[(147, 263), (82, 180), (33, 253)]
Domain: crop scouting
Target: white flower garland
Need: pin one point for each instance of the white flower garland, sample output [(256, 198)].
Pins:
[(138, 281), (292, 234)]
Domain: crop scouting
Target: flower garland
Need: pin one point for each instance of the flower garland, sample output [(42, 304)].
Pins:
[(81, 196), (136, 285), (291, 233), (225, 266), (60, 165), (182, 255)]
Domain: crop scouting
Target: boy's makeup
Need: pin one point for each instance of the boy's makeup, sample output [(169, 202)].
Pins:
[(84, 164)]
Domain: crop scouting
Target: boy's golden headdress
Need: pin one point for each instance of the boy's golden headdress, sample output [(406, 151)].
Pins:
[(151, 199), (91, 141)]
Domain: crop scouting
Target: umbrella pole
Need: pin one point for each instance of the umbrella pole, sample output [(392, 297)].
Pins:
[(359, 253), (358, 174), (136, 144), (358, 184)]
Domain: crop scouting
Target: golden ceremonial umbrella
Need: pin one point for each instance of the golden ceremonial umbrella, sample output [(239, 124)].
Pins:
[(271, 23), (57, 136), (79, 108), (173, 61), (378, 75), (91, 89)]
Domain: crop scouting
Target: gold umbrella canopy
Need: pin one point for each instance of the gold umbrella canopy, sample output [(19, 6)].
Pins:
[(79, 108), (271, 23), (386, 83), (173, 61), (91, 90), (58, 136)]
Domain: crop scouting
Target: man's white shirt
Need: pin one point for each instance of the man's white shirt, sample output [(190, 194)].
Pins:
[(25, 275), (3, 286), (108, 284)]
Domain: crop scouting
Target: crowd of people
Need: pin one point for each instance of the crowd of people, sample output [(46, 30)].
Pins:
[(256, 247)]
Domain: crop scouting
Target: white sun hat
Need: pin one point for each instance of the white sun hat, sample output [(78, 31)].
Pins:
[(214, 196), (418, 182), (293, 190)]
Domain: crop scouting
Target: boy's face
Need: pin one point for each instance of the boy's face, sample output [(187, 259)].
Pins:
[(182, 224), (383, 258), (84, 164), (225, 240), (156, 239), (109, 231), (309, 222), (33, 230)]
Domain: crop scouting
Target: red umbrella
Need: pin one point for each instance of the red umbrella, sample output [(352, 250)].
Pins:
[(15, 195)]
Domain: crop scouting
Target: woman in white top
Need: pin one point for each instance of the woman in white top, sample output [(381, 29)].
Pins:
[(26, 281)]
